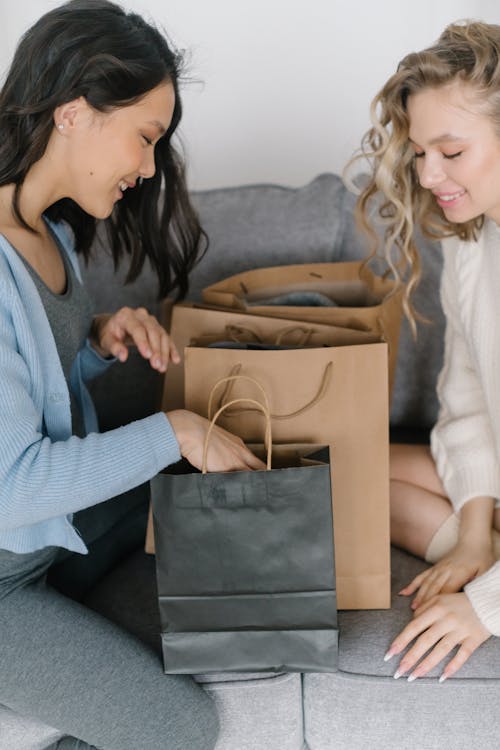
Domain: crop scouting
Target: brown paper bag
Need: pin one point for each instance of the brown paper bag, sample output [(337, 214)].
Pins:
[(194, 324), (332, 395), (190, 323), (362, 299)]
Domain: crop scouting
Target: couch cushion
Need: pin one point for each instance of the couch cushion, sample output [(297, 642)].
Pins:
[(20, 733), (366, 636), (362, 706)]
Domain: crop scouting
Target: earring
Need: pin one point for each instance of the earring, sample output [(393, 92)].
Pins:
[(61, 126)]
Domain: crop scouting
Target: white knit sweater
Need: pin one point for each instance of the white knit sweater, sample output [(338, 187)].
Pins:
[(465, 442)]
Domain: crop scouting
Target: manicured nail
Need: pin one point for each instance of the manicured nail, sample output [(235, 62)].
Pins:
[(398, 674), (442, 678), (389, 655), (412, 677), (157, 362)]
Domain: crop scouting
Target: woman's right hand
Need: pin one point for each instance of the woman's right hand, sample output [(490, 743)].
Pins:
[(226, 452), (465, 561)]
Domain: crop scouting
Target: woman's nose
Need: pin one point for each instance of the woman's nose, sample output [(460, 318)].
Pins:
[(430, 171), (148, 167)]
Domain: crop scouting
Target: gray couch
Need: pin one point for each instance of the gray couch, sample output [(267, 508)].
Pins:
[(361, 705)]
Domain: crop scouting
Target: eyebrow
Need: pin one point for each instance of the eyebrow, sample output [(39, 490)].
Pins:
[(442, 138), (162, 129)]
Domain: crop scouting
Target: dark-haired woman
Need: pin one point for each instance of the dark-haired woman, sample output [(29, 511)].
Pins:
[(87, 115)]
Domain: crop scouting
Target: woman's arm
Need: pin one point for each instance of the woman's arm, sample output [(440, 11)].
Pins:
[(462, 442)]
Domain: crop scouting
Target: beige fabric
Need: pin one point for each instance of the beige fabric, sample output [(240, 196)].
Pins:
[(446, 537)]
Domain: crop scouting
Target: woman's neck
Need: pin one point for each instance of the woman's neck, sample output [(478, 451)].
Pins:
[(39, 191)]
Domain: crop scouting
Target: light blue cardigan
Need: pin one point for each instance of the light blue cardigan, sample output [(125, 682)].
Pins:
[(46, 474)]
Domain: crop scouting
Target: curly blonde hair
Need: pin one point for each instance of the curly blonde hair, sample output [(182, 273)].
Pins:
[(469, 52)]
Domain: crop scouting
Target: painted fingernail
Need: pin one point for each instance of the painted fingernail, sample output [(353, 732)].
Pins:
[(398, 673), (442, 678), (412, 677), (389, 655), (156, 362)]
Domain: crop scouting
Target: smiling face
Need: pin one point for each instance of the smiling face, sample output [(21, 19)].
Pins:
[(457, 152), (106, 153)]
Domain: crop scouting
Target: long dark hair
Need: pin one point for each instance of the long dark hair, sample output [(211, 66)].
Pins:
[(94, 49)]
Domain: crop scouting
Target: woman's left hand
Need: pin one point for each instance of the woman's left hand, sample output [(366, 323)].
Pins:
[(465, 561), (111, 335), (443, 622)]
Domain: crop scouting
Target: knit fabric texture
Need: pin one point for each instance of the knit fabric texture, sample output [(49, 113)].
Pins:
[(46, 473), (465, 441)]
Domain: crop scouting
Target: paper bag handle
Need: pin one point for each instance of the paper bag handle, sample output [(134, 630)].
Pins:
[(306, 334), (234, 333), (229, 379), (325, 381), (267, 439), (383, 335)]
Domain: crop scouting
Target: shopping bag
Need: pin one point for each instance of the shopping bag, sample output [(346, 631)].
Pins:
[(329, 395), (245, 564), (191, 324), (344, 294)]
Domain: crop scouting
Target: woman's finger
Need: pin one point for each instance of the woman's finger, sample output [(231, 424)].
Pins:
[(431, 587), (253, 462), (424, 642), (415, 584), (436, 655), (124, 328), (414, 628), (464, 652), (174, 352)]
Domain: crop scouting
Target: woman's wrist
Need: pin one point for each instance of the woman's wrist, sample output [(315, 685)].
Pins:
[(181, 421), (95, 334)]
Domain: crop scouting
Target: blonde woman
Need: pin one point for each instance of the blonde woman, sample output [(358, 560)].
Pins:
[(435, 152)]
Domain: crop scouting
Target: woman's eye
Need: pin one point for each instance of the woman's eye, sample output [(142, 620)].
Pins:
[(419, 154), (452, 156), (148, 140)]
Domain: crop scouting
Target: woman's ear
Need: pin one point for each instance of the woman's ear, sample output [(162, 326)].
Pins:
[(67, 116)]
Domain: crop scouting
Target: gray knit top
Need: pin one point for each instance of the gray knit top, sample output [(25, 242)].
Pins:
[(70, 317)]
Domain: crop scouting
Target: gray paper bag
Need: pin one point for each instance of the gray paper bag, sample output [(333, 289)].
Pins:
[(245, 566)]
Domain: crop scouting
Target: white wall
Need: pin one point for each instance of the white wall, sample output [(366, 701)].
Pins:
[(286, 83)]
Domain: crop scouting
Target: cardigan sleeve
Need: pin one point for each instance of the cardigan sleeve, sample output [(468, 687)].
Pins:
[(462, 441), (41, 478)]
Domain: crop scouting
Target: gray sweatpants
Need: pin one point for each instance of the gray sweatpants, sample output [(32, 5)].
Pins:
[(72, 669)]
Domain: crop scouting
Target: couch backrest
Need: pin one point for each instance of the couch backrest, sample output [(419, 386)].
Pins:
[(268, 225)]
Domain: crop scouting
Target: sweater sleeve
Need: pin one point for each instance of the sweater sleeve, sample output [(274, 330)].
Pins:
[(484, 595), (92, 363), (462, 441), (42, 479)]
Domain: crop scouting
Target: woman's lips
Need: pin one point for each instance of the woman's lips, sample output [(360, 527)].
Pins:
[(445, 200)]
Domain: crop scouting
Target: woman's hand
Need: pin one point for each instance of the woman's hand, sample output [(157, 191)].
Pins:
[(465, 561), (111, 335), (440, 624), (226, 452)]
